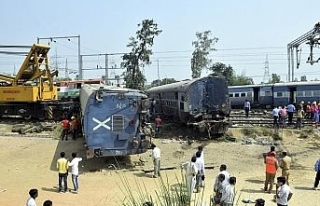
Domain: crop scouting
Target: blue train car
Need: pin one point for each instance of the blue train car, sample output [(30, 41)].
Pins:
[(257, 95), (111, 120), (200, 99), (295, 92)]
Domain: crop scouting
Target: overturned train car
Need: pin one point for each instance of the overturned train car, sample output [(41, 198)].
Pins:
[(111, 119), (202, 102)]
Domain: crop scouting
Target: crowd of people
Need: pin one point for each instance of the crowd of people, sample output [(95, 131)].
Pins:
[(224, 183), (285, 114), (70, 126)]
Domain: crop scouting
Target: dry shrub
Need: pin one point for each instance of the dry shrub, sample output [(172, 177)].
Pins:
[(309, 133)]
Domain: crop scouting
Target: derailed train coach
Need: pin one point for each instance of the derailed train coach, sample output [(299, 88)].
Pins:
[(201, 102), (111, 120)]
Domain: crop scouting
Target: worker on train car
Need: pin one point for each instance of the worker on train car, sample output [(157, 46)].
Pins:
[(65, 128), (74, 126), (247, 107), (291, 109)]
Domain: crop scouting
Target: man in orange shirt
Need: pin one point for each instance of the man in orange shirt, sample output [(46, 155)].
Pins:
[(65, 128), (271, 170), (74, 125)]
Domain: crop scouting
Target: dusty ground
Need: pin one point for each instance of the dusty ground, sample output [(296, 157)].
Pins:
[(30, 163)]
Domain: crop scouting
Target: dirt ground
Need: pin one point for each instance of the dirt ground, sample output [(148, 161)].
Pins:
[(30, 163)]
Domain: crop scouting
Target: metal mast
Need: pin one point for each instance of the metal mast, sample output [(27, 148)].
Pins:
[(312, 38), (266, 76)]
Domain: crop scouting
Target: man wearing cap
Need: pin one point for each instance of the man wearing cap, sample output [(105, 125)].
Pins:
[(271, 170), (285, 165)]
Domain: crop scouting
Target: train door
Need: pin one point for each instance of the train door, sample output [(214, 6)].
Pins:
[(293, 95), (256, 92)]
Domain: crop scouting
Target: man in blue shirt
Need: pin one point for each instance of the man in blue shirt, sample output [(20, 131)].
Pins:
[(291, 109), (317, 169)]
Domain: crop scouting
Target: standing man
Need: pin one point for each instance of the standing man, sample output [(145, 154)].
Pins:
[(62, 166), (285, 166), (32, 199), (65, 128), (156, 152), (271, 170), (283, 193), (291, 109), (247, 107), (283, 116), (200, 149), (158, 123), (200, 174), (300, 115), (191, 172), (275, 113), (74, 126), (317, 179), (228, 193), (223, 170), (74, 164)]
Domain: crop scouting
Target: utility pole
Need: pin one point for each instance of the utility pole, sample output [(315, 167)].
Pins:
[(66, 69), (80, 76), (159, 81), (106, 81)]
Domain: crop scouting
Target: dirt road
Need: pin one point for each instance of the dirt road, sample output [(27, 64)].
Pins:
[(30, 163)]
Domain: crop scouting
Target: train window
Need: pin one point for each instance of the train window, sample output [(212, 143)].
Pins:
[(236, 94), (300, 94), (316, 93), (243, 94), (279, 94), (268, 93), (308, 93), (231, 95)]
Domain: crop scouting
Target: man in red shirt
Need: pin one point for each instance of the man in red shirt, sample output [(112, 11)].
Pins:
[(158, 122), (65, 128)]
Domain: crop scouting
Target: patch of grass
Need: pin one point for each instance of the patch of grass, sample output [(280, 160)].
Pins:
[(168, 193)]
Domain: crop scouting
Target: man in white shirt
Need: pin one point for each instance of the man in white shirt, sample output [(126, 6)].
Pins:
[(223, 170), (32, 199), (247, 107), (156, 153), (200, 149), (228, 193), (191, 172), (200, 174), (283, 192), (74, 164)]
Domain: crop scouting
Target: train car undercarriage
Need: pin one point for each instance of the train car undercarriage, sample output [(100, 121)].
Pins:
[(39, 110)]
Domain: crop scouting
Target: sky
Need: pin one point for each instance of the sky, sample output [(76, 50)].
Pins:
[(249, 31)]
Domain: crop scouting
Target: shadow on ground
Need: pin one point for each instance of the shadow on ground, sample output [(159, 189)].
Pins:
[(88, 165)]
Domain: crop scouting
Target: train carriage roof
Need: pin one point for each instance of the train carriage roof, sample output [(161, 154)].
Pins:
[(178, 86)]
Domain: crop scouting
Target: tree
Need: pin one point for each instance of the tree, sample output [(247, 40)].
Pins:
[(164, 81), (275, 78), (140, 53), (202, 48), (239, 80), (303, 78), (220, 69)]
